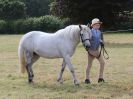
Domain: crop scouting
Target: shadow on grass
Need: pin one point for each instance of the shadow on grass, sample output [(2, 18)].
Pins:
[(71, 88)]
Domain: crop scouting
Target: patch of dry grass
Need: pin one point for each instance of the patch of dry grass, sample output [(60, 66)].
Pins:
[(118, 73)]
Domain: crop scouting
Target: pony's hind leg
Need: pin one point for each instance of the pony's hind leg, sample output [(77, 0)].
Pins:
[(29, 63), (61, 72), (34, 59)]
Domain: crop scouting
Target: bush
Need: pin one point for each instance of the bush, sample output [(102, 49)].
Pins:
[(126, 25), (45, 23), (3, 26), (12, 9), (50, 23)]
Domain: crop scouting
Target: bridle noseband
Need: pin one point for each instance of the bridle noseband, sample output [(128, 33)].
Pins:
[(83, 41), (81, 35)]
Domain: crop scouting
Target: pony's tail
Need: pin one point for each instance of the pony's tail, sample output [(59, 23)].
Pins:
[(21, 59)]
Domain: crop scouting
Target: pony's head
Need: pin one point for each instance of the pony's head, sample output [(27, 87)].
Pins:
[(85, 34)]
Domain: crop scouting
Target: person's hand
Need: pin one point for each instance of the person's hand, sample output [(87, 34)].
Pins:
[(102, 43)]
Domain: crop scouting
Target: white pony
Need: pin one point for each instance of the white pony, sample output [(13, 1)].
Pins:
[(61, 44)]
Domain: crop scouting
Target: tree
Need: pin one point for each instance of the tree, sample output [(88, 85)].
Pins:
[(37, 8), (12, 9), (83, 11)]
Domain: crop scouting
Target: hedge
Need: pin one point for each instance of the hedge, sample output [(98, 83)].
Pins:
[(3, 26), (46, 23)]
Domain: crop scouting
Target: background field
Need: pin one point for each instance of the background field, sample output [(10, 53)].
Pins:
[(118, 73)]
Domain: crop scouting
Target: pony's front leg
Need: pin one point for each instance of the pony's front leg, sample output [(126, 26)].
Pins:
[(71, 68), (61, 72)]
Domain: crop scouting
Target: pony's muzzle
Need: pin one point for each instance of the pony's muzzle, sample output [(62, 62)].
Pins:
[(87, 47)]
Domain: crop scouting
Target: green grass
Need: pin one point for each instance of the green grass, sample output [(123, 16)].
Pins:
[(118, 73)]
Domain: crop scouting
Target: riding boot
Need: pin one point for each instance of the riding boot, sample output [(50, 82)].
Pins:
[(101, 80), (87, 81)]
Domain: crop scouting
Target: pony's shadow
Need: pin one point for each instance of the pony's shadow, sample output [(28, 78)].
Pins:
[(56, 86), (69, 87)]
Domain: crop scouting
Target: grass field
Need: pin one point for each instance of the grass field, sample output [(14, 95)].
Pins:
[(118, 73)]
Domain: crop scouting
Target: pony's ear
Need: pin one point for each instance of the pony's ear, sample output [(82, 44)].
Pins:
[(89, 25), (80, 27)]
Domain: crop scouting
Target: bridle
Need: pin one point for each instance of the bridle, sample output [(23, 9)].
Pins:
[(83, 41)]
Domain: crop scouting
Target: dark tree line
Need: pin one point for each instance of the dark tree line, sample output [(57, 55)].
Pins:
[(17, 9), (79, 11), (12, 9), (82, 11), (37, 7)]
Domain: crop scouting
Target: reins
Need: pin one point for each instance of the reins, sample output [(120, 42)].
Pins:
[(103, 50)]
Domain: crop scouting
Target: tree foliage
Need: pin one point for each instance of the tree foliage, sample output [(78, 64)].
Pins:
[(37, 7), (82, 11), (12, 9), (16, 9)]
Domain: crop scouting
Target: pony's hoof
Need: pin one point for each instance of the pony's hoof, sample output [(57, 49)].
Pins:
[(60, 81), (76, 83), (30, 81)]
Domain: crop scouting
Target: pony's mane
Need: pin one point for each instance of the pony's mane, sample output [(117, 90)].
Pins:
[(69, 31)]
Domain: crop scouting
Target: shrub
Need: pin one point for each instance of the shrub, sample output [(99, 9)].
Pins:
[(126, 25), (12, 9), (45, 23), (50, 23), (3, 26)]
